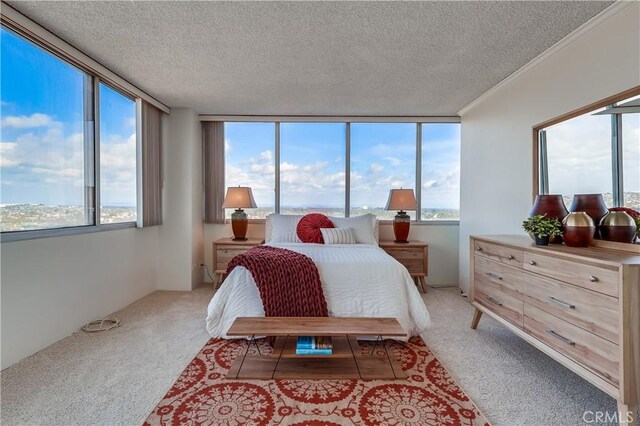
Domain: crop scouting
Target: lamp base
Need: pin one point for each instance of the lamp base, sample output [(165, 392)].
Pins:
[(401, 225), (401, 242), (239, 225)]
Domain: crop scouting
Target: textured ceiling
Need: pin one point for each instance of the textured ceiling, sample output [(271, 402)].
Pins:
[(319, 58)]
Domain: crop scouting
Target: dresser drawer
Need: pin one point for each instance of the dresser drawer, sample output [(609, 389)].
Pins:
[(507, 255), (503, 304), (594, 312), (595, 353), (592, 277), (504, 277)]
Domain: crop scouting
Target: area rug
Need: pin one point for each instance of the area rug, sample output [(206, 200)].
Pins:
[(203, 396)]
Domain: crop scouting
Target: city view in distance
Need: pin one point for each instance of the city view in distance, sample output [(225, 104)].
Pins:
[(29, 217), (23, 217)]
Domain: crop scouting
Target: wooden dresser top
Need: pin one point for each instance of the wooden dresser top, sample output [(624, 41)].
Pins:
[(599, 255)]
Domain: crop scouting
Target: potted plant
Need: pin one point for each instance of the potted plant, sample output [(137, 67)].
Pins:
[(542, 228)]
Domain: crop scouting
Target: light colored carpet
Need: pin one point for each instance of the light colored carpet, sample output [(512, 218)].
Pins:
[(117, 377)]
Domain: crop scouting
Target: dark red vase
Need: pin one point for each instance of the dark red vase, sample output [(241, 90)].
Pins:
[(553, 207), (618, 226), (592, 204), (578, 229)]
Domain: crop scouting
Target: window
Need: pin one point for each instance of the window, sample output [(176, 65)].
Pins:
[(250, 161), (48, 150), (383, 156), (117, 157), (295, 168), (597, 152), (440, 171), (312, 168)]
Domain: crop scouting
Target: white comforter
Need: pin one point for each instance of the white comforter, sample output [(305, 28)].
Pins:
[(359, 280)]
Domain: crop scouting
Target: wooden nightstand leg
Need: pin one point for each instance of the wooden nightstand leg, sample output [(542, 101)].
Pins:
[(418, 283), (476, 318), (423, 280)]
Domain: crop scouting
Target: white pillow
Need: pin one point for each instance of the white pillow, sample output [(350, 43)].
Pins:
[(282, 228), (338, 235), (365, 227)]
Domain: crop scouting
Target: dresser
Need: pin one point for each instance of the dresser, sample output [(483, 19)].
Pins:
[(225, 249), (580, 306), (414, 255)]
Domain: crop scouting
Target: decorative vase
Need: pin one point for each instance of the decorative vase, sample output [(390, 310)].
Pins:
[(579, 229), (618, 226), (542, 241), (592, 204), (553, 207)]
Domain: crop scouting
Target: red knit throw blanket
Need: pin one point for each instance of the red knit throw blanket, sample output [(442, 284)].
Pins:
[(288, 282)]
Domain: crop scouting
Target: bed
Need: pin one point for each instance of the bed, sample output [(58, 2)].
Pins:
[(358, 280)]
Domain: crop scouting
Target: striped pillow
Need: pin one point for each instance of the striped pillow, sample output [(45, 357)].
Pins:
[(338, 235)]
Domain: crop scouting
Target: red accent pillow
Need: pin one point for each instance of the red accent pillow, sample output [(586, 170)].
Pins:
[(308, 229)]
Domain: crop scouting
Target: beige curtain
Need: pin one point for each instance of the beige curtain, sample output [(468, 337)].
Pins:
[(152, 175), (213, 142)]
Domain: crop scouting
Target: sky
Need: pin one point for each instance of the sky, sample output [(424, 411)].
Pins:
[(42, 131)]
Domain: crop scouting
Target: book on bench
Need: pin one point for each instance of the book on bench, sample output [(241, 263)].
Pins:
[(314, 345)]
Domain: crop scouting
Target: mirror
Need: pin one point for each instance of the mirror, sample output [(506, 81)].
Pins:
[(594, 150)]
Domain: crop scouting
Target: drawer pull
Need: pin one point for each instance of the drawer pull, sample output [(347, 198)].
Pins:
[(511, 257), (494, 301), (561, 338), (479, 248), (562, 303), (496, 276), (532, 262), (593, 278)]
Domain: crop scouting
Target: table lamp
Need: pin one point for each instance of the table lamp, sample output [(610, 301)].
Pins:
[(401, 199), (239, 197)]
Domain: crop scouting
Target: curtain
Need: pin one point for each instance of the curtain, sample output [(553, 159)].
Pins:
[(213, 142), (152, 174)]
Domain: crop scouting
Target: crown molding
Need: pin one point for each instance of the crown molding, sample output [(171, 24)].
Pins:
[(601, 18)]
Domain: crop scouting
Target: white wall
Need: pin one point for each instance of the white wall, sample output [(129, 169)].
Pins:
[(497, 146), (180, 237), (52, 286), (442, 240)]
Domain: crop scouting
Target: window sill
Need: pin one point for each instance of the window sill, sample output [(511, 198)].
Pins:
[(7, 237)]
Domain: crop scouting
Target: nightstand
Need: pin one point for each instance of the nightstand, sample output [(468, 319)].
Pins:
[(414, 255), (226, 249)]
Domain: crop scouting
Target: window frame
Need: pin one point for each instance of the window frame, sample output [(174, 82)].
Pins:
[(347, 120), (91, 151)]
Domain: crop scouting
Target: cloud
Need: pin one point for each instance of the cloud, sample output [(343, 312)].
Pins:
[(376, 167), (27, 121), (393, 161), (49, 165)]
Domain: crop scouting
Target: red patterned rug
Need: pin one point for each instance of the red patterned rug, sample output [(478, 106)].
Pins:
[(202, 395)]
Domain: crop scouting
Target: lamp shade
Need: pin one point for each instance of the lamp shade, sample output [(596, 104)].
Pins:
[(402, 199), (239, 197)]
